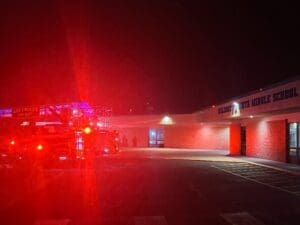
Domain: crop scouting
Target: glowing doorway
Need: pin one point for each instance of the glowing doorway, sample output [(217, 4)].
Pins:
[(156, 137)]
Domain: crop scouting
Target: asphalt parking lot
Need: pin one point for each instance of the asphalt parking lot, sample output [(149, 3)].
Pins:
[(164, 186), (281, 180)]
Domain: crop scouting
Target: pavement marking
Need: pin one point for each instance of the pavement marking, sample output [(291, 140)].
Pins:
[(150, 220), (241, 218), (53, 222), (283, 181), (272, 167)]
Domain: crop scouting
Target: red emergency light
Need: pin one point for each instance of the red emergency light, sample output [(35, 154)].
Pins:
[(39, 147), (87, 130)]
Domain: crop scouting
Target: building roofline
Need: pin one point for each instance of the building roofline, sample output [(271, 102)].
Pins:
[(286, 81)]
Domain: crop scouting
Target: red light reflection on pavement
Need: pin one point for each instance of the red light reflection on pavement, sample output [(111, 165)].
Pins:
[(43, 201), (90, 193), (37, 186)]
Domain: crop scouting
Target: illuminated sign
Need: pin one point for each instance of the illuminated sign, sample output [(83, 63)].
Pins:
[(261, 100), (5, 112), (25, 112), (235, 110)]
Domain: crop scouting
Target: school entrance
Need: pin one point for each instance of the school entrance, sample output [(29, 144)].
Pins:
[(156, 137)]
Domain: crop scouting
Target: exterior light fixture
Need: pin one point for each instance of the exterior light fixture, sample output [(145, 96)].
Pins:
[(166, 120)]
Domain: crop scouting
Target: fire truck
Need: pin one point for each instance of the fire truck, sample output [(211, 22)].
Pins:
[(53, 133)]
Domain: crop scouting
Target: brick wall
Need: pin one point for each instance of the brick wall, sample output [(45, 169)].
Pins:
[(267, 139), (204, 137)]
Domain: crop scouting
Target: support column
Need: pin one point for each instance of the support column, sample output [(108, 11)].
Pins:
[(235, 139)]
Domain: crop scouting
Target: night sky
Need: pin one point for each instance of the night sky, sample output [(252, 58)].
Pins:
[(144, 56)]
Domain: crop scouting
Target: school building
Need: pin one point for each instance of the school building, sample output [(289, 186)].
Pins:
[(264, 124)]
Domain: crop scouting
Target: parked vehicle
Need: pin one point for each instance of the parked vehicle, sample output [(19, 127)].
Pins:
[(46, 141)]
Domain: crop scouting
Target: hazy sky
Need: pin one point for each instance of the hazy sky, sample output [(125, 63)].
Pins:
[(176, 56)]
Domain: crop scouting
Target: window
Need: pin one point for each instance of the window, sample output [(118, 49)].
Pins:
[(294, 145), (293, 135)]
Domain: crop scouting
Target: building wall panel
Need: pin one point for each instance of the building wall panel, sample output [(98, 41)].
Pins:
[(235, 139), (127, 136), (204, 137), (267, 139)]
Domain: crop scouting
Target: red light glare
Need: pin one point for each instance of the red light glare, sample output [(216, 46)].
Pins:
[(87, 130), (39, 147), (100, 124), (75, 111), (12, 142)]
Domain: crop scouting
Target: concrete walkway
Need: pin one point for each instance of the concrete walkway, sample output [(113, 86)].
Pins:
[(210, 155)]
